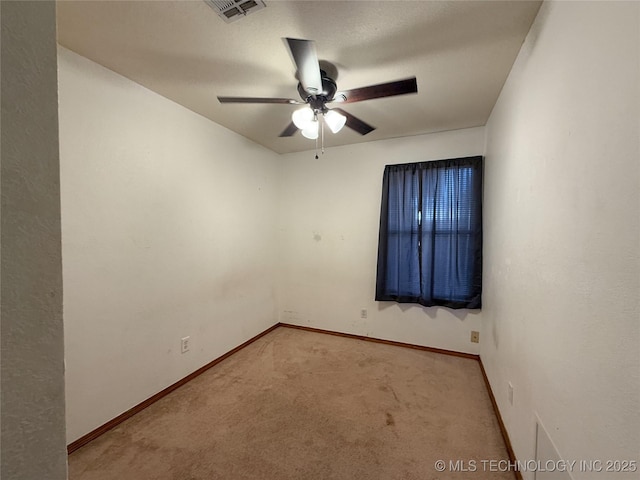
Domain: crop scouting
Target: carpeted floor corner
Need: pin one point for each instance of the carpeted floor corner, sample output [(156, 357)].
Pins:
[(304, 405)]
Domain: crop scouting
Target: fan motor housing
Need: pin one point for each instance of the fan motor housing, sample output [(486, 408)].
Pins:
[(329, 89)]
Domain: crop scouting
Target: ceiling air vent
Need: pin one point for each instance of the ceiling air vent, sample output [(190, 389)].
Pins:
[(232, 10)]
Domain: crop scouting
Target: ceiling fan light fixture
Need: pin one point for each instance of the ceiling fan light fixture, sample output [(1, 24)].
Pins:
[(302, 118), (335, 121), (311, 130), (317, 88)]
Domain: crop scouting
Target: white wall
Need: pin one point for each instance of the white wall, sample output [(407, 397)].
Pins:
[(329, 219), (561, 284), (32, 348), (167, 231)]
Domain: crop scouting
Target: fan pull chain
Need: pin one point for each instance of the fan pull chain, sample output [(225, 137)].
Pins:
[(322, 135), (315, 118)]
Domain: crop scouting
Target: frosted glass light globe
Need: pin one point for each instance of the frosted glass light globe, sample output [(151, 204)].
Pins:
[(311, 131), (335, 120), (302, 118)]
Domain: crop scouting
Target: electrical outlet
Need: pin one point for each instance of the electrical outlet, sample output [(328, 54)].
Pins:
[(184, 344), (363, 313), (510, 393), (475, 337)]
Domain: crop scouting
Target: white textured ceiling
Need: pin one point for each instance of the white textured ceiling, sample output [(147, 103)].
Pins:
[(460, 51)]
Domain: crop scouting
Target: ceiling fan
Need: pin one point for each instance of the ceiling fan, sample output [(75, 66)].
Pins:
[(317, 89)]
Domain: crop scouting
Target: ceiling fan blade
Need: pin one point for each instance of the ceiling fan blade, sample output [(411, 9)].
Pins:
[(286, 101), (289, 131), (303, 53), (338, 98), (390, 89), (355, 123)]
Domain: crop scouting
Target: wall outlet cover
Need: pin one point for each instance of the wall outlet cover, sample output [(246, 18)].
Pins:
[(184, 344)]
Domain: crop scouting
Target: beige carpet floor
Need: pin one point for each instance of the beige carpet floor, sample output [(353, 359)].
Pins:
[(305, 405)]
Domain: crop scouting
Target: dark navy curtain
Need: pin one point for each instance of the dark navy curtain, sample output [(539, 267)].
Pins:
[(430, 243)]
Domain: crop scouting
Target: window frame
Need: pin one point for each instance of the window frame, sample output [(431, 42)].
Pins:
[(464, 295)]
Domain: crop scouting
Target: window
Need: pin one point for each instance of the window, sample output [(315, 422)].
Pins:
[(430, 243)]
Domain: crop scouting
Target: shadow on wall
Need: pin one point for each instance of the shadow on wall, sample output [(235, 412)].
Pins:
[(530, 45), (432, 312)]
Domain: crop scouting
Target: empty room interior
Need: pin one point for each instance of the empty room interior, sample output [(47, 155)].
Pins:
[(192, 288)]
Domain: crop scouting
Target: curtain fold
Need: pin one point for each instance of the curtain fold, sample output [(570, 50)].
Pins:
[(430, 242)]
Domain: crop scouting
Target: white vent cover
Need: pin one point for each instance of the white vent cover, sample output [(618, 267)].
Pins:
[(232, 10)]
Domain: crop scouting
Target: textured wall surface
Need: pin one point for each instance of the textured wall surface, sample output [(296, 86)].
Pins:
[(168, 231), (329, 219), (32, 355), (562, 277)]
